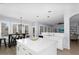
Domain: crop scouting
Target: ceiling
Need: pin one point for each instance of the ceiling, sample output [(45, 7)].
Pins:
[(47, 13)]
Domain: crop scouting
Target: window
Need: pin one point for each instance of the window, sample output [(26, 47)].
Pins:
[(45, 29), (26, 29), (14, 28), (49, 29), (41, 29), (33, 31), (20, 28), (4, 29)]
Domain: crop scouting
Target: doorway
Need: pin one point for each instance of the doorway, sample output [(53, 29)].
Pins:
[(74, 33)]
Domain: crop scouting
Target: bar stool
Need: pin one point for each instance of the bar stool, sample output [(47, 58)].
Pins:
[(4, 41)]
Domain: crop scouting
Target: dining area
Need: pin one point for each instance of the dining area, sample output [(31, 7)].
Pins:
[(12, 31), (12, 39)]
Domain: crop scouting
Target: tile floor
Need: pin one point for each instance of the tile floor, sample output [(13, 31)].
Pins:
[(73, 51)]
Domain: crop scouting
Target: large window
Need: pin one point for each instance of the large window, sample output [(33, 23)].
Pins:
[(49, 29), (4, 29), (26, 29), (14, 28), (45, 29), (41, 29), (19, 28), (33, 31)]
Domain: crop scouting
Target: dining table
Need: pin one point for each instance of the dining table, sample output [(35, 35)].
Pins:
[(10, 38)]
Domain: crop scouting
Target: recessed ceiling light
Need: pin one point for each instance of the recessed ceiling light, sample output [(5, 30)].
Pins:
[(21, 17), (49, 11), (48, 16), (37, 16)]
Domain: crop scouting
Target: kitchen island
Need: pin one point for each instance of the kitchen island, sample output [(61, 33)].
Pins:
[(40, 46)]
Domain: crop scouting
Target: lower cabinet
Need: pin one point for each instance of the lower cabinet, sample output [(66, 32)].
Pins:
[(59, 42), (59, 37)]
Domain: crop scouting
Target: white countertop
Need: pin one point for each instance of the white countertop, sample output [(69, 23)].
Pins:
[(37, 45)]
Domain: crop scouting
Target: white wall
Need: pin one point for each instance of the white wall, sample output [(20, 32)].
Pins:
[(69, 11), (66, 41)]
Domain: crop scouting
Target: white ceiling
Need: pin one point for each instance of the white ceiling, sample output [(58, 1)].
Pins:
[(31, 11)]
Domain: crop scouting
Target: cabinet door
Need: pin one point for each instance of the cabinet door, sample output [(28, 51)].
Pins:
[(59, 42)]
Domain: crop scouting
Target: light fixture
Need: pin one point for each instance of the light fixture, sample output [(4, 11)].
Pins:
[(49, 11), (37, 16), (48, 16)]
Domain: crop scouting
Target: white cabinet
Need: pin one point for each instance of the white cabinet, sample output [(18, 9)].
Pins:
[(60, 43), (59, 37)]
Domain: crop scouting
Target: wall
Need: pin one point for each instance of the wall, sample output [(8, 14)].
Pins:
[(69, 11), (66, 41)]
